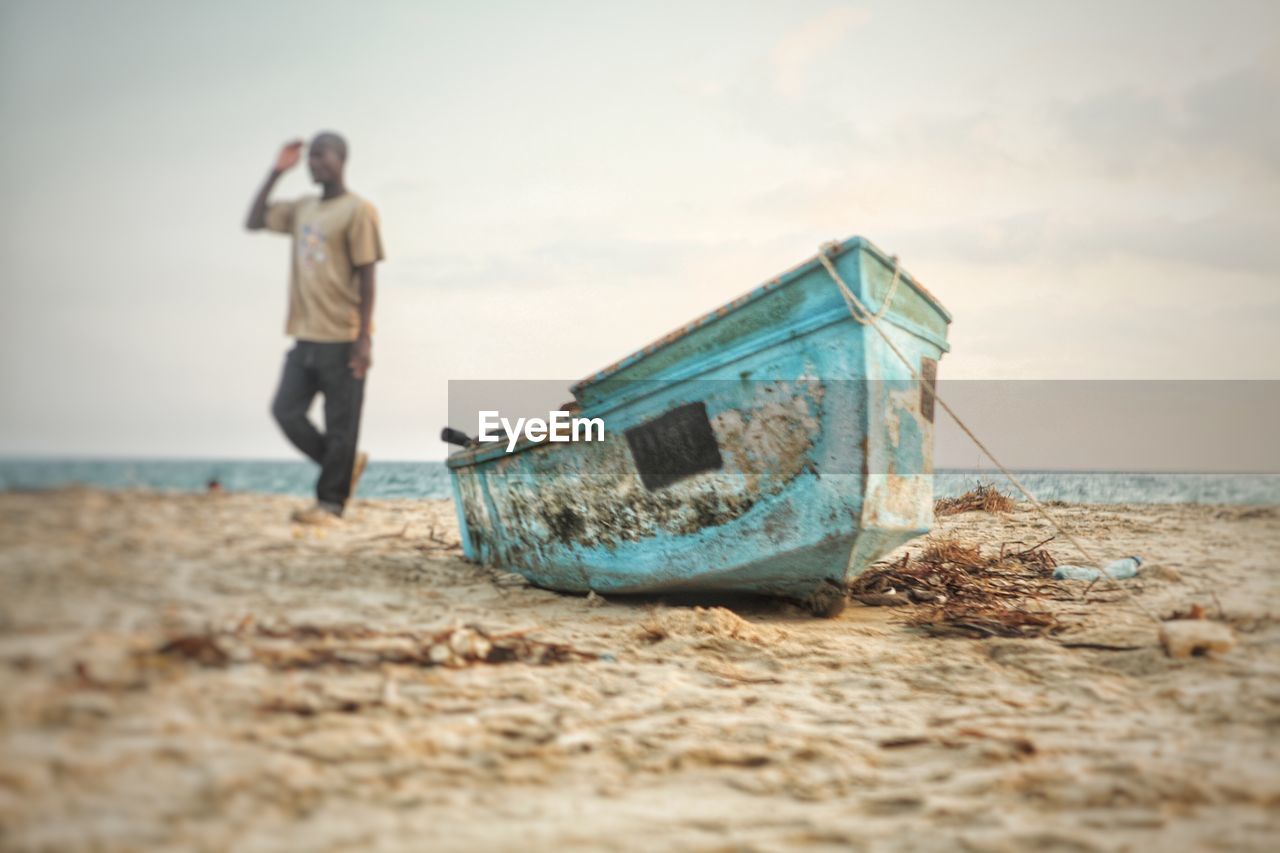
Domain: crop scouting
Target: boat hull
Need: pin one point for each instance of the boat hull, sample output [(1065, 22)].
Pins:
[(775, 446)]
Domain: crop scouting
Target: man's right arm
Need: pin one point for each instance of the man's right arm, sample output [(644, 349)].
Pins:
[(285, 160)]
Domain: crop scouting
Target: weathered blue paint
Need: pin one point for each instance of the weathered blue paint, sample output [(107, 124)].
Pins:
[(827, 457)]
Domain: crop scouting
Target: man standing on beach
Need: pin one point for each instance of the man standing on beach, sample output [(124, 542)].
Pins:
[(336, 243)]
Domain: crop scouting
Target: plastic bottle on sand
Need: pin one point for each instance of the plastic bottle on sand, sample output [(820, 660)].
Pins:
[(1119, 569)]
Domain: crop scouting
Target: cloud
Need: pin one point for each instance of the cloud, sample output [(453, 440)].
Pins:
[(1225, 122), (1237, 113), (1186, 176), (794, 56), (1232, 239), (591, 263), (603, 264)]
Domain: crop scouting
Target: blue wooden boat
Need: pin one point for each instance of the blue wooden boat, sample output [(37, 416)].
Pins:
[(774, 445)]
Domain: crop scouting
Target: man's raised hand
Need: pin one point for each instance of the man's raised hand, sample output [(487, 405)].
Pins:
[(289, 156)]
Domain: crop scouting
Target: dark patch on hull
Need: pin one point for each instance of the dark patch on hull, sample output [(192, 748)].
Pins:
[(565, 523), (674, 445)]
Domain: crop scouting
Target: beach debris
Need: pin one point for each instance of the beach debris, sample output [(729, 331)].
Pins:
[(961, 591), (312, 646), (1184, 638), (1195, 611), (439, 543), (1006, 745), (431, 541), (948, 570), (200, 648), (984, 496), (984, 620), (1100, 647), (1122, 569)]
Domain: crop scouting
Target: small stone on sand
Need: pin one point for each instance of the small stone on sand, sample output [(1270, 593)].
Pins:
[(1183, 638)]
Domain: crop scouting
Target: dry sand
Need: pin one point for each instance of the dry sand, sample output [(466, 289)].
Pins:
[(755, 727)]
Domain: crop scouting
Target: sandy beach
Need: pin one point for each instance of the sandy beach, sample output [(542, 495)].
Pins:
[(193, 672)]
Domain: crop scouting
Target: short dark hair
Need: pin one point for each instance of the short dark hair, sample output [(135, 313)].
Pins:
[(328, 137)]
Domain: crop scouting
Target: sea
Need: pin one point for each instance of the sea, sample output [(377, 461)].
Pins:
[(431, 480)]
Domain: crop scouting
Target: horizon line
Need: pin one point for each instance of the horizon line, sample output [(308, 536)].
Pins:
[(214, 460)]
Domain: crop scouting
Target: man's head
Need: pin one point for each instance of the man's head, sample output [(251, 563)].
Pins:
[(327, 157)]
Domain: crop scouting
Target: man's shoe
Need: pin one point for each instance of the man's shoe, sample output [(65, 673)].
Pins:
[(357, 470), (316, 515)]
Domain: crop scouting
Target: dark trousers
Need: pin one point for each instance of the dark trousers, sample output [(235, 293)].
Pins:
[(313, 368)]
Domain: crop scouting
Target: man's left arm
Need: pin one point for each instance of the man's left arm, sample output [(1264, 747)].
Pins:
[(364, 244), (362, 349)]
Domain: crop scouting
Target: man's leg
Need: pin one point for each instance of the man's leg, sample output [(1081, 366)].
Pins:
[(298, 386), (343, 400)]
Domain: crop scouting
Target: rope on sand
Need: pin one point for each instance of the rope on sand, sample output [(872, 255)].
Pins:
[(863, 315)]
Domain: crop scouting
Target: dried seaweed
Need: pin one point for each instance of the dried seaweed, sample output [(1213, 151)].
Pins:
[(958, 619), (983, 496), (951, 570), (963, 591), (652, 630), (312, 646)]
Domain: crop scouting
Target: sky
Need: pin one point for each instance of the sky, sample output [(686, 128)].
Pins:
[(1091, 188)]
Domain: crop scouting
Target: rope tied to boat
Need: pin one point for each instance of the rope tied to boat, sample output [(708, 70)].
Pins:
[(864, 316), (859, 311)]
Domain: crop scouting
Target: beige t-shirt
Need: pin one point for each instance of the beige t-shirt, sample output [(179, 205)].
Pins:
[(330, 239)]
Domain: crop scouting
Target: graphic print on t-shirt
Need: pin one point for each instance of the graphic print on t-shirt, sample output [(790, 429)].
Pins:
[(311, 250)]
